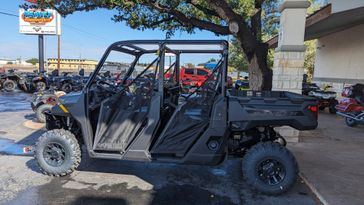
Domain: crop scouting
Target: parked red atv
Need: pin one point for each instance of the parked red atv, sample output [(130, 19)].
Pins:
[(352, 107)]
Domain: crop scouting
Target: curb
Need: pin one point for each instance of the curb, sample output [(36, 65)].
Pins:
[(314, 190)]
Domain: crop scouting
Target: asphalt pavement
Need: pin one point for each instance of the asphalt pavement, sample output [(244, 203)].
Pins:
[(113, 181)]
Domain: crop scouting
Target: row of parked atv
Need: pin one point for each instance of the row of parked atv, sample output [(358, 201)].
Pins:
[(37, 82), (351, 106)]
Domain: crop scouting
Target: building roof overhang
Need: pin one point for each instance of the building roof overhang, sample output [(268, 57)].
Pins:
[(323, 22)]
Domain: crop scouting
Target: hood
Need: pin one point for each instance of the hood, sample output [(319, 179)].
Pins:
[(70, 99)]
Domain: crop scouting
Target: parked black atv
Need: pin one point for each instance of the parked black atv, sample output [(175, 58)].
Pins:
[(147, 118), (12, 80), (40, 82), (69, 83), (326, 99)]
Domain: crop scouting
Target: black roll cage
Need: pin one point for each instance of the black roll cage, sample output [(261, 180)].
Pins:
[(163, 46)]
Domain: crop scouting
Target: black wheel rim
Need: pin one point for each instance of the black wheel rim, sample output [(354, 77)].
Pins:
[(9, 86), (66, 88), (41, 86), (271, 171), (54, 154)]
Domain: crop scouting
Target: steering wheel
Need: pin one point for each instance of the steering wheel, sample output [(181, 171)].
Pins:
[(104, 85)]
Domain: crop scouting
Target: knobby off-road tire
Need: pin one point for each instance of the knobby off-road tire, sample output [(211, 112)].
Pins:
[(67, 87), (9, 85), (332, 107), (57, 142), (39, 113), (41, 86), (270, 168)]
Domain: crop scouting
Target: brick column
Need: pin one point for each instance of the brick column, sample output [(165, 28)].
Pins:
[(288, 71), (288, 67)]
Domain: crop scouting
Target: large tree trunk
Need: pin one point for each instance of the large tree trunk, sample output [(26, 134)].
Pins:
[(260, 75), (249, 37)]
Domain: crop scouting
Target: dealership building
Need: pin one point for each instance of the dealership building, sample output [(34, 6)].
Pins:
[(338, 27)]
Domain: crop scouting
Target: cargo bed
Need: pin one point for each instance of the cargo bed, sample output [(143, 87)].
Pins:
[(249, 109)]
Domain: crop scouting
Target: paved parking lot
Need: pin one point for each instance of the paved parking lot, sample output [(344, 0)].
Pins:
[(116, 182), (331, 159)]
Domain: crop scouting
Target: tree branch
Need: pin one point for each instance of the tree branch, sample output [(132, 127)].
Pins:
[(192, 21), (244, 36), (156, 23), (202, 8), (256, 20)]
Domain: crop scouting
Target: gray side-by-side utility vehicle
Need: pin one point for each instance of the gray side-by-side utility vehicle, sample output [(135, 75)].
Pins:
[(131, 110)]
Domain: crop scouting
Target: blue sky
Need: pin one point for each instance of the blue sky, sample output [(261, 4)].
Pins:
[(85, 34)]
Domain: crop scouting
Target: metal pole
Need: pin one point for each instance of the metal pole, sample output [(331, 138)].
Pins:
[(59, 54), (45, 54), (41, 52)]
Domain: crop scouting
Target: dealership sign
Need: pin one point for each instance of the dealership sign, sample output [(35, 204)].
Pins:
[(37, 21)]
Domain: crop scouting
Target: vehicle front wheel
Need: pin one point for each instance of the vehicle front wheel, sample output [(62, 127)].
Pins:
[(270, 168), (9, 85), (67, 87), (41, 86), (39, 113), (332, 107), (350, 122), (57, 152)]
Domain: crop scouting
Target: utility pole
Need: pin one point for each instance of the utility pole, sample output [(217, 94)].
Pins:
[(59, 41), (59, 53), (41, 52)]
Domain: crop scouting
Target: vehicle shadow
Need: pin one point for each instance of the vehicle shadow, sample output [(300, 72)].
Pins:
[(170, 183), (90, 200), (30, 117), (10, 147)]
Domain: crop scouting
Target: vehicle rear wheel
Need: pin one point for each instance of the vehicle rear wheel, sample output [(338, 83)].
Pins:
[(350, 122), (332, 107), (39, 113), (41, 86), (321, 108), (270, 168), (57, 152), (67, 87), (9, 85)]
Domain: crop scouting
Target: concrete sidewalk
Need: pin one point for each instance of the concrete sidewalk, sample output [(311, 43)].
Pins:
[(331, 158)]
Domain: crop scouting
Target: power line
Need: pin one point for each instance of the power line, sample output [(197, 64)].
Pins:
[(85, 32), (8, 14)]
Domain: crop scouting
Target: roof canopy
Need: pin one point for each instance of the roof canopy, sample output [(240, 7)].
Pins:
[(323, 22)]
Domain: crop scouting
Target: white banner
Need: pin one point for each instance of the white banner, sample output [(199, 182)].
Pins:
[(36, 21)]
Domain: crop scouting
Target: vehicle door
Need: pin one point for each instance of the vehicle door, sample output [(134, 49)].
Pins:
[(190, 118), (126, 112)]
